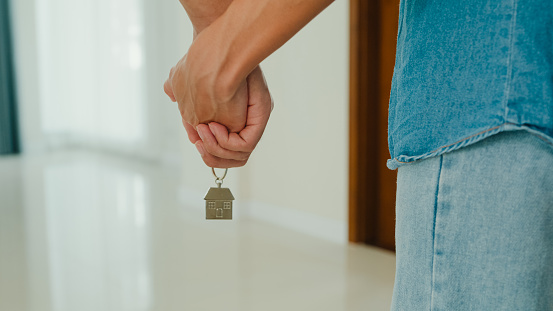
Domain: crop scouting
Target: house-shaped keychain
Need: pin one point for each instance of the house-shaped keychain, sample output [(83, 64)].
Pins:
[(218, 203)]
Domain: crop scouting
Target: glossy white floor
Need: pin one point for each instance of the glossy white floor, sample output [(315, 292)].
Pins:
[(87, 232)]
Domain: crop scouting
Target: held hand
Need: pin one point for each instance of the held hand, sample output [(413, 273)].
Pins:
[(202, 97), (223, 149)]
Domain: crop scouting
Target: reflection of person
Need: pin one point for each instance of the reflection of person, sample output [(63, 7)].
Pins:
[(470, 128)]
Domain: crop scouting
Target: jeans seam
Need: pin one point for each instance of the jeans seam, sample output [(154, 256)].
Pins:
[(509, 78), (467, 141), (459, 141), (543, 140), (433, 274)]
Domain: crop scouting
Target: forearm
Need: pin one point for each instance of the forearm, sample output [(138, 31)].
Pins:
[(204, 12), (250, 30)]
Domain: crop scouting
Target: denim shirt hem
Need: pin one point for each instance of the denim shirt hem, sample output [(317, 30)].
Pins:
[(404, 160)]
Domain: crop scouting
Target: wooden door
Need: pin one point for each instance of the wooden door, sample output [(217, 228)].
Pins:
[(372, 187)]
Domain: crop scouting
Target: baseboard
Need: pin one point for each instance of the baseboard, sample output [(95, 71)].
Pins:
[(296, 220)]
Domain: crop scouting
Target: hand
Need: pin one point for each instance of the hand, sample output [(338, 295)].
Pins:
[(196, 84), (223, 149)]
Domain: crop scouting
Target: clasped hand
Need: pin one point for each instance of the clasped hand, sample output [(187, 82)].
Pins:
[(224, 123)]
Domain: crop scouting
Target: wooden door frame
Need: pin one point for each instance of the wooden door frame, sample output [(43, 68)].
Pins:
[(373, 25)]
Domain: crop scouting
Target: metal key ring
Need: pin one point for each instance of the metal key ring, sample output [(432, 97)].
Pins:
[(219, 178)]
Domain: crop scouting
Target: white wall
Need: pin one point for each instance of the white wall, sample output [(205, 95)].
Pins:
[(297, 177), (301, 163), (165, 36)]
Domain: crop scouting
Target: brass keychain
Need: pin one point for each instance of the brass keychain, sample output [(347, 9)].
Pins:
[(218, 201)]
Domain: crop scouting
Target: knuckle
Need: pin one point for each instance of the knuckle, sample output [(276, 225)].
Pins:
[(209, 161), (167, 89), (214, 149), (244, 157), (224, 144), (248, 148), (187, 120), (209, 148)]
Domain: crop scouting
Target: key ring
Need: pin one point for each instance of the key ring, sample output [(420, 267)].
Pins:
[(219, 180)]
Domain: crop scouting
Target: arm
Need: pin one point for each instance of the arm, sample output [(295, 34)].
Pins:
[(204, 12), (259, 102), (249, 31), (210, 83), (201, 14)]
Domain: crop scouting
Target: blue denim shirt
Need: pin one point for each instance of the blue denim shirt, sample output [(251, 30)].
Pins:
[(466, 70)]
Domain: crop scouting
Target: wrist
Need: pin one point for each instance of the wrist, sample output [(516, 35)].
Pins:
[(204, 12), (199, 24)]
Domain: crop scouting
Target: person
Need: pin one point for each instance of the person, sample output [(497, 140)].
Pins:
[(470, 132)]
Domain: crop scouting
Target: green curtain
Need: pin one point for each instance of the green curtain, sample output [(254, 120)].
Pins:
[(9, 134)]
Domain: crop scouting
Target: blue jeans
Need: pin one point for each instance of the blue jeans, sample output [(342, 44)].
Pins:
[(474, 228)]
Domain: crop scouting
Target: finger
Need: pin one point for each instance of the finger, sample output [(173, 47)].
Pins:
[(211, 145), (191, 132), (261, 105), (213, 161), (229, 141), (259, 110)]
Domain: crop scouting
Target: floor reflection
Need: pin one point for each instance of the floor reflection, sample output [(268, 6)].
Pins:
[(80, 231), (13, 263), (97, 230), (74, 236)]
